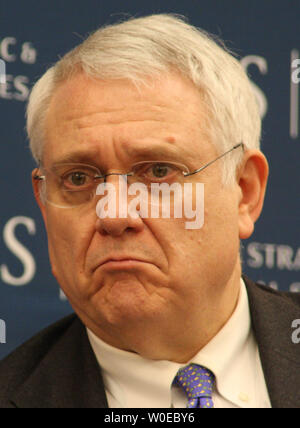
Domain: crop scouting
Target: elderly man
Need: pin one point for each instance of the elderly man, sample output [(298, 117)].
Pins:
[(164, 317)]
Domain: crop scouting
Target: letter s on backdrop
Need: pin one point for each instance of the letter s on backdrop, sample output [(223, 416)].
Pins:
[(262, 65), (19, 251)]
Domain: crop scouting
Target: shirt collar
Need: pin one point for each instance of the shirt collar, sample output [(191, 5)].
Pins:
[(230, 352), (127, 374)]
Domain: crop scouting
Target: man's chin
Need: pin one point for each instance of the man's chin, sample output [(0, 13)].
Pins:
[(126, 303)]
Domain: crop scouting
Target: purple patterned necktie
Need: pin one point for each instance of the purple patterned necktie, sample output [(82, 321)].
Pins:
[(197, 382)]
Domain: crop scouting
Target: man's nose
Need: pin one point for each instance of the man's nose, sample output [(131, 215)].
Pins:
[(118, 220)]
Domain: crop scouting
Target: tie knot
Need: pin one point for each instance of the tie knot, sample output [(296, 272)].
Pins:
[(197, 382)]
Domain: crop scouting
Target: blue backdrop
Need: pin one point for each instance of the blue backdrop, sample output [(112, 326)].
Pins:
[(33, 34)]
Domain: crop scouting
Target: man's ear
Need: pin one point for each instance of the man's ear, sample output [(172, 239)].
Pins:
[(252, 180), (37, 194)]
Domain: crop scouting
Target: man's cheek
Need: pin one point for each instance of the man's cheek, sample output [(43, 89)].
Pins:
[(61, 244)]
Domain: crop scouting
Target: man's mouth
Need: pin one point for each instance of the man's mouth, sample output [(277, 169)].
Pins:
[(123, 262)]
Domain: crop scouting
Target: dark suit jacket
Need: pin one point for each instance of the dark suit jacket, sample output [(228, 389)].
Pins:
[(58, 369)]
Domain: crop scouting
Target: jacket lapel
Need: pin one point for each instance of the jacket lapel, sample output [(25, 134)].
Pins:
[(68, 376), (272, 316)]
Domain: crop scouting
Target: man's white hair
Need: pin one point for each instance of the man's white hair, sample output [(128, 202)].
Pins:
[(140, 48)]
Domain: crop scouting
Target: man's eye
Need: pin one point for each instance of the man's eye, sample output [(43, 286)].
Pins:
[(77, 179), (159, 170)]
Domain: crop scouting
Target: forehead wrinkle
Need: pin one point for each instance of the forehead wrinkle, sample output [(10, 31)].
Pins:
[(141, 112), (114, 122)]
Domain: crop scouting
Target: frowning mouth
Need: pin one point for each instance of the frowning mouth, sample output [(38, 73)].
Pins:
[(123, 263)]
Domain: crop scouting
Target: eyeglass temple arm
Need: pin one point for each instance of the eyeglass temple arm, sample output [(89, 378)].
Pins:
[(219, 157), (39, 177)]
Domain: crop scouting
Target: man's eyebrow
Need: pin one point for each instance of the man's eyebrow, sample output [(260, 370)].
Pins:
[(158, 152), (76, 157)]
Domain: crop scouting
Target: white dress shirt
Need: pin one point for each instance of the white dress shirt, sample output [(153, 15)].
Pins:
[(132, 381)]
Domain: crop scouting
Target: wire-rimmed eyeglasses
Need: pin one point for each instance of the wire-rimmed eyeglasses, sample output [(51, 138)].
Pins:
[(70, 185)]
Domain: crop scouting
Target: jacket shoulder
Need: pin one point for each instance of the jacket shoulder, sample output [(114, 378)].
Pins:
[(273, 314), (261, 289), (21, 363)]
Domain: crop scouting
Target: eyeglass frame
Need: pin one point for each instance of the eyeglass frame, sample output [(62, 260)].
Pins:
[(185, 174)]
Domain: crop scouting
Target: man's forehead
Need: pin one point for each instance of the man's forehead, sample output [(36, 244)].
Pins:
[(166, 89), (86, 114)]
